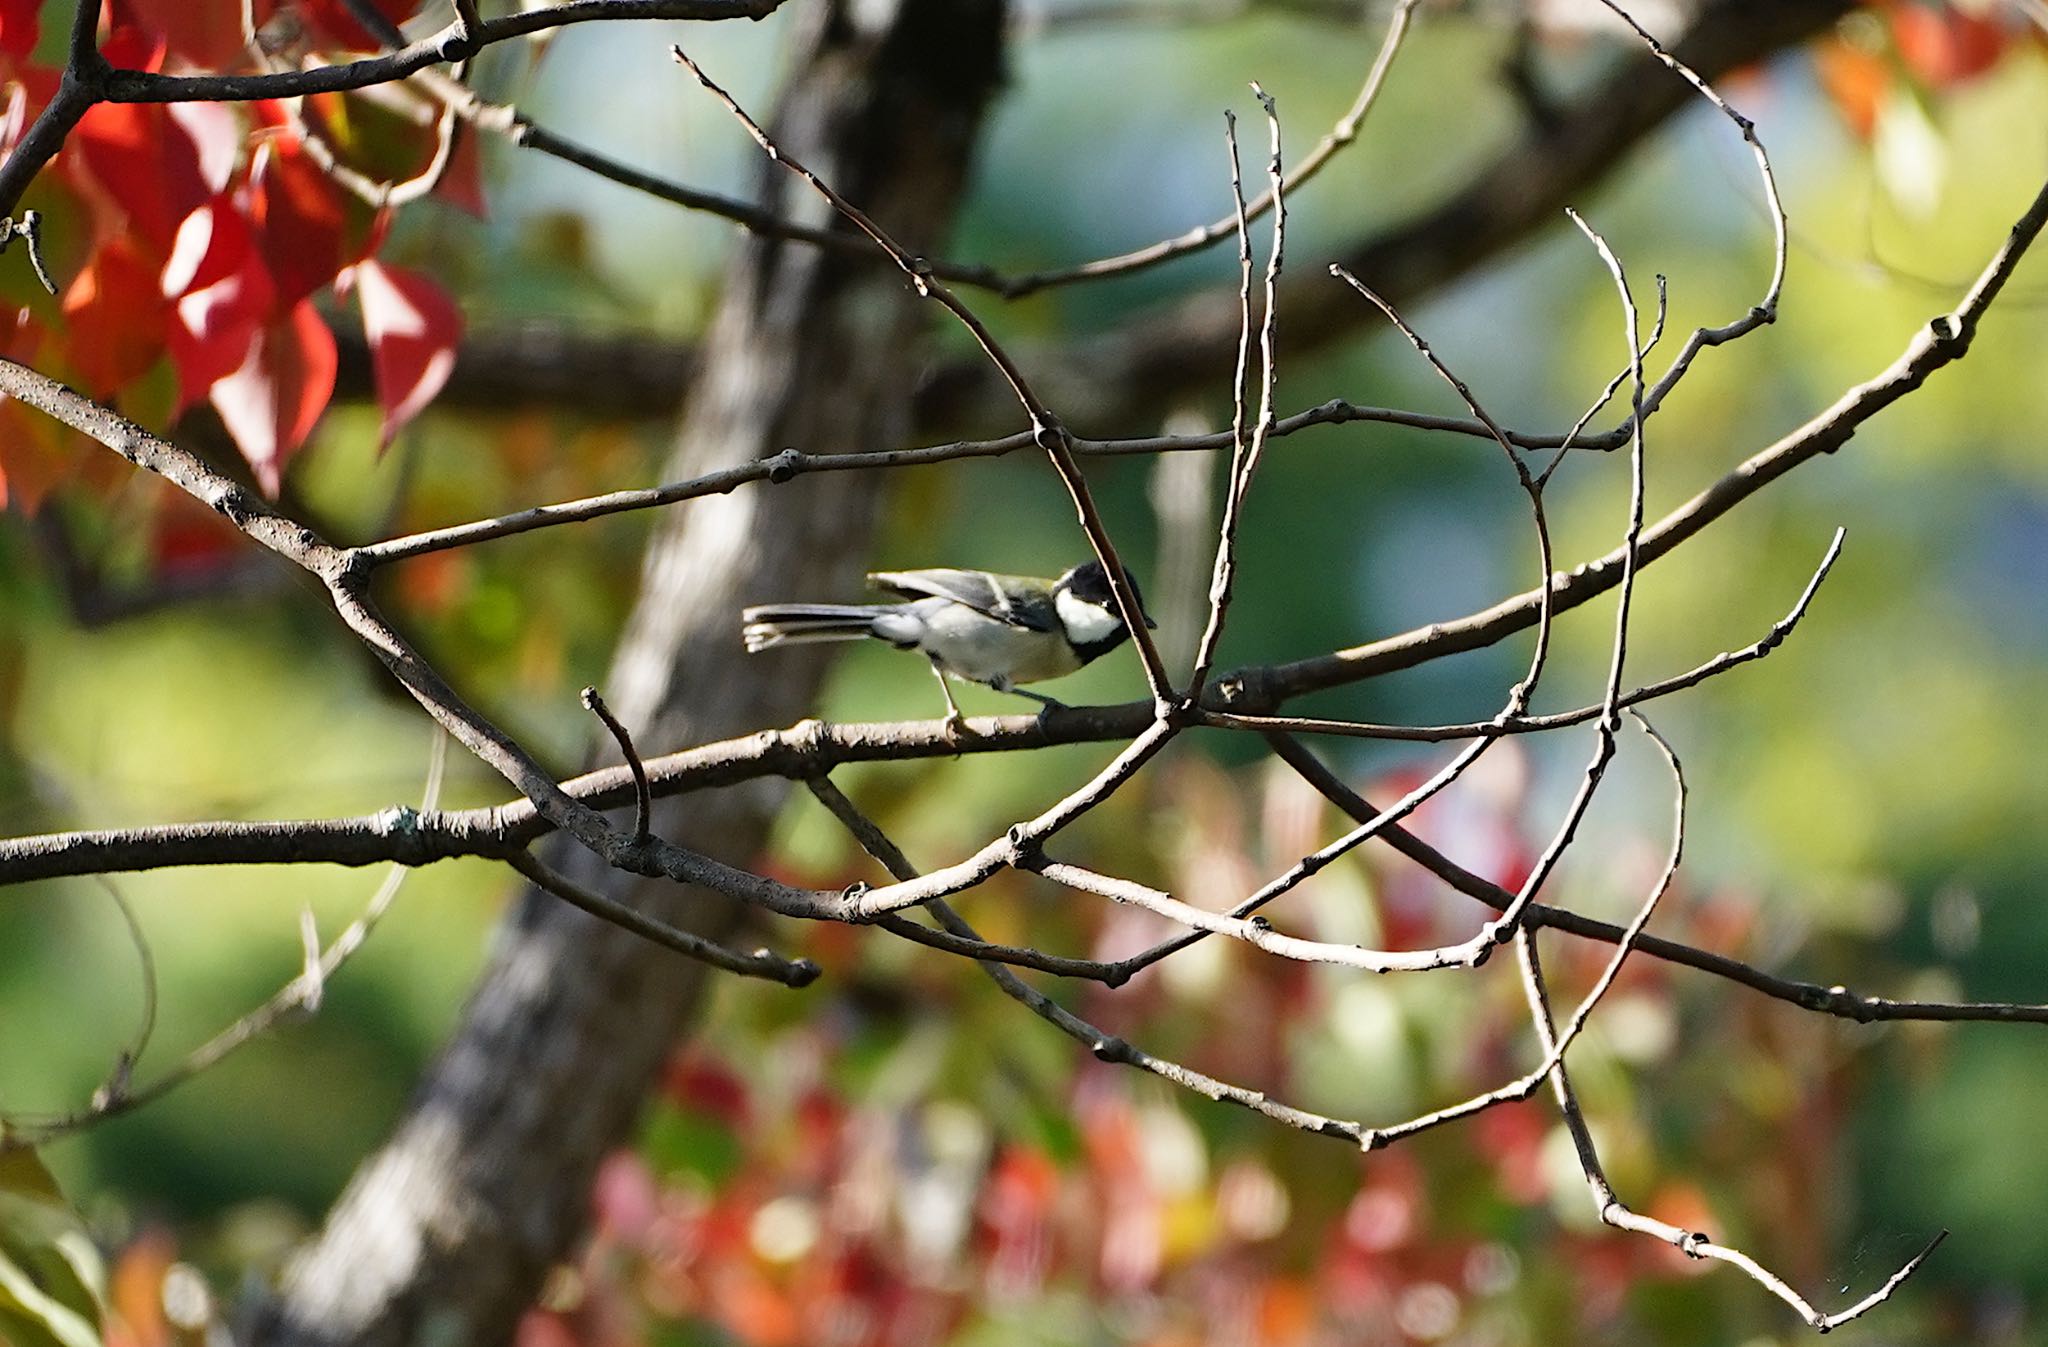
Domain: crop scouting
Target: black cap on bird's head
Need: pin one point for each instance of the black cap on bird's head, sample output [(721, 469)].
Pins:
[(1090, 582)]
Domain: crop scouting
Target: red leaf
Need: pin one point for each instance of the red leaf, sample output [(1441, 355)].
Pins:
[(332, 19), (222, 297), (1943, 47), (188, 539), (462, 182), (216, 135), (300, 223), (272, 401), (14, 115), (129, 46), (36, 453), (18, 26), (413, 328), (148, 163), (206, 35), (117, 318), (701, 1084)]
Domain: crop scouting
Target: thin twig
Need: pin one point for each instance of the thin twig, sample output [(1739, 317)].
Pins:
[(1254, 931), (1340, 135), (29, 229), (1022, 843), (760, 963), (1519, 695), (643, 803), (1691, 1243), (1765, 310), (1621, 376), (1609, 722), (1105, 1046), (520, 130), (300, 996), (1244, 456), (878, 845), (1836, 1001), (1648, 692), (1553, 1056), (121, 1076)]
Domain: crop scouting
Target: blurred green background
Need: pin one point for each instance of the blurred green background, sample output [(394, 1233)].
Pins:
[(1869, 803)]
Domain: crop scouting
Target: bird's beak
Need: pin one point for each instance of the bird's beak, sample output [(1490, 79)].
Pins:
[(1150, 624)]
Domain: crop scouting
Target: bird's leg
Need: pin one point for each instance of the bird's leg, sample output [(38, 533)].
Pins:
[(956, 723), (1046, 705)]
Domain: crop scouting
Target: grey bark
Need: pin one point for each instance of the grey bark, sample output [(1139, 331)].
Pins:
[(445, 1234)]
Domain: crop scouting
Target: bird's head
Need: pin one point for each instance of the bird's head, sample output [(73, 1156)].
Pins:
[(1087, 610)]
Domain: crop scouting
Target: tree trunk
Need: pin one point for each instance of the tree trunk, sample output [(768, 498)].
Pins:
[(445, 1233)]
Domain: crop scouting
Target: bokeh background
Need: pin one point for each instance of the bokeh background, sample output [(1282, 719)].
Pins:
[(900, 1155)]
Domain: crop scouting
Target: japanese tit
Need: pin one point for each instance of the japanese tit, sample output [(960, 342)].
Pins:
[(1000, 630)]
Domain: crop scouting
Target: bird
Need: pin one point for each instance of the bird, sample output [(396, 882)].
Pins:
[(976, 626)]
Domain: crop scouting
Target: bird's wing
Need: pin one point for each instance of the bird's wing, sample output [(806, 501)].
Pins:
[(983, 592)]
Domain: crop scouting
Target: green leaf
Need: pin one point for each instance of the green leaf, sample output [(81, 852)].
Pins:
[(51, 1276)]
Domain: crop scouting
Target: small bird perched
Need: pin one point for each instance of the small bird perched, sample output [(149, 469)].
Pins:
[(975, 626)]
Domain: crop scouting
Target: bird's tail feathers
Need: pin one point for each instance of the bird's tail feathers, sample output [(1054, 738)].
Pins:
[(802, 623)]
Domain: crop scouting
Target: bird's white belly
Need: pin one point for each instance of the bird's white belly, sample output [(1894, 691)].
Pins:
[(978, 649)]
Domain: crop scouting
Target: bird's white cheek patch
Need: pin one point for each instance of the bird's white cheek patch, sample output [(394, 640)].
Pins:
[(1086, 622)]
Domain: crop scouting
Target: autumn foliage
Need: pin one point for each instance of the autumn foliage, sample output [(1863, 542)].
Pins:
[(204, 249)]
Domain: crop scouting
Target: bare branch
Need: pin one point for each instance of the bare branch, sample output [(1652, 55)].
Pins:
[(1688, 1242), (1608, 723), (1553, 1056), (1648, 692), (878, 845), (759, 964), (1197, 239), (1254, 931), (1022, 843), (344, 580), (520, 130), (300, 996), (1836, 1001), (121, 1077), (1244, 456), (643, 804), (1105, 1046), (1945, 339), (1766, 309)]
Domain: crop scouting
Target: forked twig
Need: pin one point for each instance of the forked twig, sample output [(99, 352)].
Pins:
[(643, 803), (1691, 1243), (1244, 454)]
